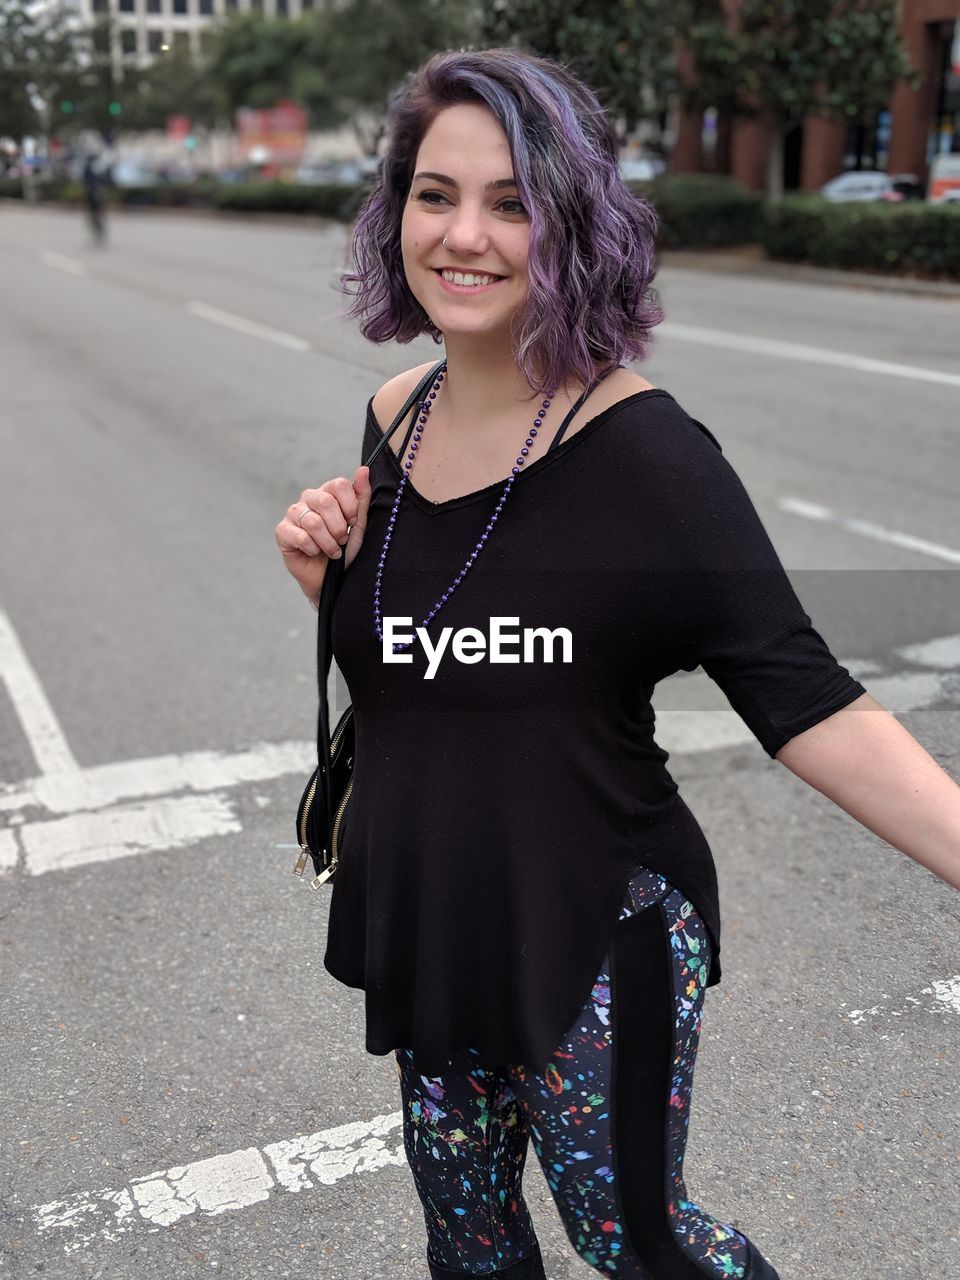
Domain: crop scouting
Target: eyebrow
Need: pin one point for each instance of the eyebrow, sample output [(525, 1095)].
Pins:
[(497, 185)]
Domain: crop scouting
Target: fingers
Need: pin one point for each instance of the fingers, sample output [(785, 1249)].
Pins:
[(342, 492), (318, 521), (362, 490), (324, 524)]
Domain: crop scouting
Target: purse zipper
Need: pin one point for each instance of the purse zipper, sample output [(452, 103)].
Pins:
[(301, 862), (328, 871), (339, 818), (304, 850)]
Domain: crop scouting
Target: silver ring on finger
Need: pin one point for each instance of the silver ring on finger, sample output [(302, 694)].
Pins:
[(302, 514)]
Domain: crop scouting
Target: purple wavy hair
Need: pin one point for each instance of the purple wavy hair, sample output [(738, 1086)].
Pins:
[(592, 240)]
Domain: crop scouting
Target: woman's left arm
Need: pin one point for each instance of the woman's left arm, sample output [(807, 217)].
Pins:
[(865, 761)]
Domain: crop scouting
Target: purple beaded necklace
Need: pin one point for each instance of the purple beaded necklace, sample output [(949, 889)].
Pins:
[(425, 405)]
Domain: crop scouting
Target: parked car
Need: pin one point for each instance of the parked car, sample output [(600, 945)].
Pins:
[(132, 173), (321, 172), (945, 178), (873, 184), (640, 168)]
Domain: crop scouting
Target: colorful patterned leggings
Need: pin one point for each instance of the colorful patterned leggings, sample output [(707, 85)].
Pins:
[(608, 1119)]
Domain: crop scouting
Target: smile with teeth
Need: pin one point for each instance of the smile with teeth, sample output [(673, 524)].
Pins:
[(468, 278)]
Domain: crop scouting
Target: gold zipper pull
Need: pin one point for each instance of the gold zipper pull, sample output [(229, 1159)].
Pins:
[(323, 877), (301, 861)]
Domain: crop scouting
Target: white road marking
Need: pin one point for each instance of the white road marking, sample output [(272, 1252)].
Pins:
[(60, 263), (197, 771), (119, 810), (249, 327), (142, 827), (756, 345), (97, 828), (867, 529), (9, 853), (945, 991), (687, 731), (36, 715), (943, 652), (224, 1183)]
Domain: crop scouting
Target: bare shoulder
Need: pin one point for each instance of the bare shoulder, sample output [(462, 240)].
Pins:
[(616, 386), (623, 383), (392, 396)]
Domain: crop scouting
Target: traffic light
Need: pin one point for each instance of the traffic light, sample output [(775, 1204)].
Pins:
[(66, 107), (115, 108)]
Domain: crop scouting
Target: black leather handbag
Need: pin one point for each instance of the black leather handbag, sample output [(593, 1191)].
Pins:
[(325, 798)]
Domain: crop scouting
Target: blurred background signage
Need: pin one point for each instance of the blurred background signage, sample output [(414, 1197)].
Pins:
[(276, 135)]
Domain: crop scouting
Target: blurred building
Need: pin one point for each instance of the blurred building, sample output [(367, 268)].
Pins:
[(904, 138), (147, 28)]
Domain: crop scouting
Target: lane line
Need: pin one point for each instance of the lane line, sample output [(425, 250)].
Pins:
[(943, 652), (145, 827), (9, 852), (867, 529), (33, 709), (198, 771), (61, 263), (781, 350), (250, 327), (225, 1183), (688, 731)]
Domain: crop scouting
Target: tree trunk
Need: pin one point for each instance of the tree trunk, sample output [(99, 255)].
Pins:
[(775, 163)]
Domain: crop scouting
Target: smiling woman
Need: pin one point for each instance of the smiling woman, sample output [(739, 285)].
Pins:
[(501, 227), (514, 176), (527, 902)]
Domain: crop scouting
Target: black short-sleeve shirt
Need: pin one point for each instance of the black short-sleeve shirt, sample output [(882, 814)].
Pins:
[(503, 799)]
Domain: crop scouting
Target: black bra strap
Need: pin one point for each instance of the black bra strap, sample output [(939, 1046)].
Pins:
[(567, 420)]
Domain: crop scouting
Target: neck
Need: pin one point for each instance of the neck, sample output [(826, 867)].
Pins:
[(483, 382)]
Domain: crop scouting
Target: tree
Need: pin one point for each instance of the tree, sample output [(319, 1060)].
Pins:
[(174, 84), (81, 87), (36, 45), (623, 49), (254, 61), (792, 58), (366, 47), (18, 115)]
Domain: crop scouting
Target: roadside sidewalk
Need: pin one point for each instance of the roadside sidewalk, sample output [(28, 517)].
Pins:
[(749, 260)]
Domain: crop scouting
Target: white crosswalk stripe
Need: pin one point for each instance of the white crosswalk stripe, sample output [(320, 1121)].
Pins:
[(224, 1183)]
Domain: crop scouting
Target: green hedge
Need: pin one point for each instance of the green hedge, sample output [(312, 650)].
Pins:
[(46, 188), (329, 200), (703, 210), (908, 237)]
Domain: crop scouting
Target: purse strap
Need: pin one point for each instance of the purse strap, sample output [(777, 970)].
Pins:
[(328, 596)]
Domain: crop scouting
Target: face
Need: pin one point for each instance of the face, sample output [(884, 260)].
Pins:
[(463, 190)]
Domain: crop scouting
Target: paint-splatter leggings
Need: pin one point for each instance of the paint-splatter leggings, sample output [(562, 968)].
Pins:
[(608, 1119)]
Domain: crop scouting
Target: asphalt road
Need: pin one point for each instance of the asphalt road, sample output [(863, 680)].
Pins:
[(185, 1089)]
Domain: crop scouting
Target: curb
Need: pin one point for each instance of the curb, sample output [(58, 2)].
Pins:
[(749, 261)]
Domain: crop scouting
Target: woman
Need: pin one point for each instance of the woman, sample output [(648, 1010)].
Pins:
[(526, 900)]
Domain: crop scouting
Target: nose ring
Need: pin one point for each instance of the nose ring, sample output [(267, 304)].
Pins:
[(444, 241)]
